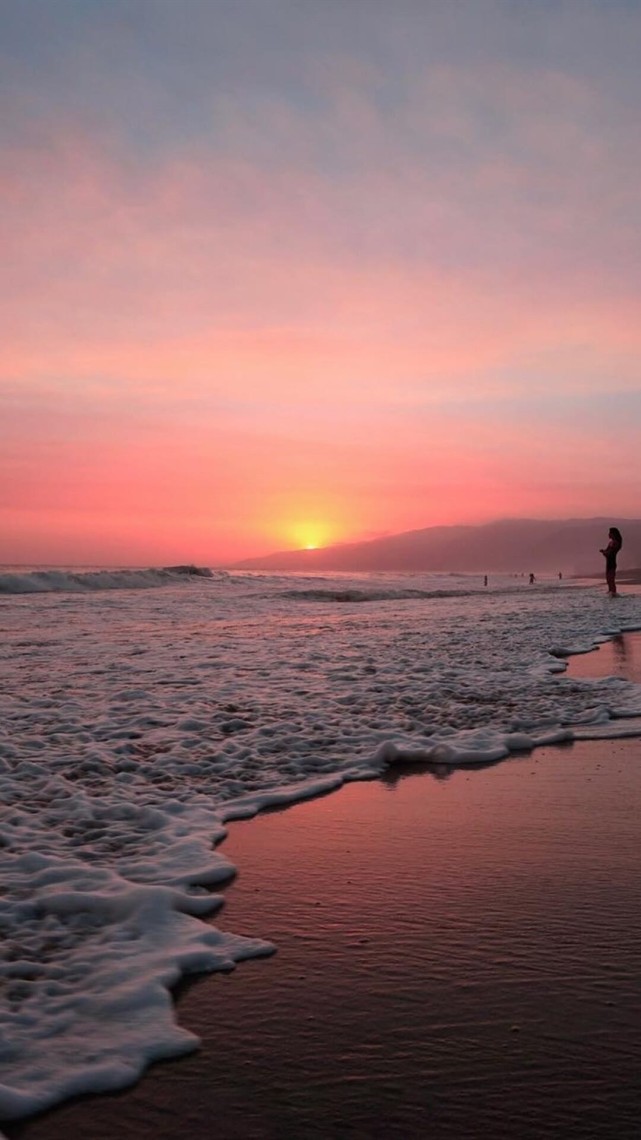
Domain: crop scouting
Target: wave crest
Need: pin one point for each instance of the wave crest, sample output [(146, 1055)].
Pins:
[(377, 595), (48, 581)]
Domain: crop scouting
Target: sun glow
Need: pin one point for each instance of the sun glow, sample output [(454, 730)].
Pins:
[(306, 520), (310, 535)]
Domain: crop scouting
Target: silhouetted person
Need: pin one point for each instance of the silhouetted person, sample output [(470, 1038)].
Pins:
[(532, 579), (485, 580), (610, 554)]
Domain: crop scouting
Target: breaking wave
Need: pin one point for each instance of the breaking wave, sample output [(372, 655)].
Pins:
[(393, 594), (48, 581)]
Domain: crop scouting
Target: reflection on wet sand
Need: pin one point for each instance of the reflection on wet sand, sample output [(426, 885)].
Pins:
[(619, 657), (458, 959), (620, 651)]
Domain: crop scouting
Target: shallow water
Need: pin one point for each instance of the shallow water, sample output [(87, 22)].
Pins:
[(481, 938), (136, 721), (619, 657), (458, 956)]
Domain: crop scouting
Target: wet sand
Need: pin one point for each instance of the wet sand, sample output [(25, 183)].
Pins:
[(459, 954), (620, 657)]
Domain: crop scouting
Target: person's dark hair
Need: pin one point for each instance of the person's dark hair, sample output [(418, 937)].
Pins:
[(615, 533)]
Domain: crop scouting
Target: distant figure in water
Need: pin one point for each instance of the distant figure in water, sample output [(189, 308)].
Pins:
[(532, 579), (610, 552), (485, 580), (560, 575)]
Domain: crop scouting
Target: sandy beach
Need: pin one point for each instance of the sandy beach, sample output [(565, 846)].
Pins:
[(320, 572), (458, 955)]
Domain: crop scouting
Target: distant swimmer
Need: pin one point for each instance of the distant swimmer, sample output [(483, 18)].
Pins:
[(610, 554), (532, 579), (485, 580)]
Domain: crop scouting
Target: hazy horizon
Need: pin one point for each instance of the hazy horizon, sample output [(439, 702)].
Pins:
[(282, 274), (477, 531)]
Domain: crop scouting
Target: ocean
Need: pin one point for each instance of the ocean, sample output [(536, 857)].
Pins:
[(142, 710)]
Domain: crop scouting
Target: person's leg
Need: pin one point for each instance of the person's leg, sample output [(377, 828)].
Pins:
[(610, 577)]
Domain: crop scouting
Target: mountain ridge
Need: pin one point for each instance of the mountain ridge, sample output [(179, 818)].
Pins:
[(569, 546)]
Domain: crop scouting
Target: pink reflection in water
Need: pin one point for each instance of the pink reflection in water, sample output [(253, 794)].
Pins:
[(620, 657)]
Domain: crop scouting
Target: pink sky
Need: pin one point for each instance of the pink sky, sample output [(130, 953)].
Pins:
[(359, 285)]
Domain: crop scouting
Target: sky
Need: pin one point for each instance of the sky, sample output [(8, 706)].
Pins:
[(282, 273)]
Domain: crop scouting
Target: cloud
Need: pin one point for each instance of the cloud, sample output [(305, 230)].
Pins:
[(367, 250)]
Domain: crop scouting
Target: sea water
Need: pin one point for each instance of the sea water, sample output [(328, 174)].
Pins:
[(141, 710)]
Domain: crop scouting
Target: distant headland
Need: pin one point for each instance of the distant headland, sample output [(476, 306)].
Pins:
[(568, 546)]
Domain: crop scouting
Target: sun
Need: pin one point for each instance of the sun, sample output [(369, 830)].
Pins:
[(309, 534), (310, 524)]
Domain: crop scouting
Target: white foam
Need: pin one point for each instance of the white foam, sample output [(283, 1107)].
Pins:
[(134, 726), (86, 581)]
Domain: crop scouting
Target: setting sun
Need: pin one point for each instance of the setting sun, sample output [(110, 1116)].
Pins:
[(310, 521), (310, 535)]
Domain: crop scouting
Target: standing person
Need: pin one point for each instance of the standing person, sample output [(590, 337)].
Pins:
[(610, 554)]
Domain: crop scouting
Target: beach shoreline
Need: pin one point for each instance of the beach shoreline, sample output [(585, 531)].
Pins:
[(624, 577), (387, 1009)]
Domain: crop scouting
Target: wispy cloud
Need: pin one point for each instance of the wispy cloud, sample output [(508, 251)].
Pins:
[(368, 251)]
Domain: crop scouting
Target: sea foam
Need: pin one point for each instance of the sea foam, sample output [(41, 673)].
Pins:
[(134, 726), (84, 581)]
